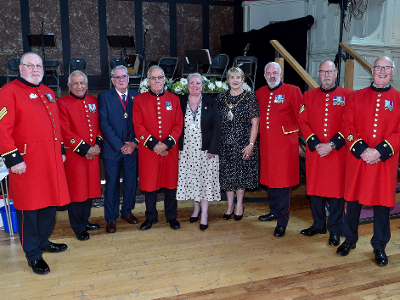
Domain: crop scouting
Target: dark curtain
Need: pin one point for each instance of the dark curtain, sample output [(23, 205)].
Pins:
[(291, 34)]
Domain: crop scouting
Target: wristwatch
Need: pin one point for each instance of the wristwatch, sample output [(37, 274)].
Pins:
[(333, 145)]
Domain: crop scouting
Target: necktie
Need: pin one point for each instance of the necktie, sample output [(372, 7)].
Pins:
[(123, 98)]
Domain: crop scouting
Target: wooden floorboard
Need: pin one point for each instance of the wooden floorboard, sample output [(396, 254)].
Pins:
[(230, 260)]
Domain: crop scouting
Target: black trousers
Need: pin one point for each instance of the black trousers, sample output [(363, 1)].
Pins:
[(170, 204), (79, 213), (35, 227), (381, 224), (336, 213), (279, 204)]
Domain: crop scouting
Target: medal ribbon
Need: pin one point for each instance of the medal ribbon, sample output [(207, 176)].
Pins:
[(124, 105)]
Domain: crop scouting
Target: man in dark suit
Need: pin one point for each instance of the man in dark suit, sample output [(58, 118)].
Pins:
[(119, 148)]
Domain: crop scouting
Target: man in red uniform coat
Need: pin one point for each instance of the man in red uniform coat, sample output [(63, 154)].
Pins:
[(157, 118), (320, 121), (31, 146), (371, 126), (79, 121), (279, 144)]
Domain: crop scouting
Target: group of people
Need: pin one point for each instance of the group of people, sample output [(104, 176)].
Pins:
[(194, 146)]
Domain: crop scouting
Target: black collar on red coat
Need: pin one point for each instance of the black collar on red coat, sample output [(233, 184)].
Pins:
[(155, 95), (330, 90), (380, 90), (275, 88), (80, 98), (27, 82)]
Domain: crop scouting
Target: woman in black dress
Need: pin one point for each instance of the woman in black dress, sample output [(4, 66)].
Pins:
[(239, 162)]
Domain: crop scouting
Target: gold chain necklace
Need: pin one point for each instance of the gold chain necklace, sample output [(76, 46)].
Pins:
[(230, 106)]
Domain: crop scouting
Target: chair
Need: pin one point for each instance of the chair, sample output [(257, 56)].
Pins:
[(53, 71), (113, 63), (76, 64), (218, 67), (249, 66), (169, 65), (134, 80), (13, 66), (191, 68)]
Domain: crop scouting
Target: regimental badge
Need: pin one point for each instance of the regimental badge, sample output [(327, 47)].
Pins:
[(92, 108), (302, 108), (350, 137), (50, 97), (168, 105), (279, 99), (33, 96), (388, 105), (142, 137), (72, 141), (338, 100), (125, 115)]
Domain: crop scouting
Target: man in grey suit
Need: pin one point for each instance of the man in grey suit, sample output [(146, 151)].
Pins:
[(119, 150)]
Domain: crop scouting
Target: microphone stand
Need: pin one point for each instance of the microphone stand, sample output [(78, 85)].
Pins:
[(44, 57), (144, 47)]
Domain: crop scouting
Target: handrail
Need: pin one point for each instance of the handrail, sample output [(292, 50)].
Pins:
[(367, 65), (295, 65)]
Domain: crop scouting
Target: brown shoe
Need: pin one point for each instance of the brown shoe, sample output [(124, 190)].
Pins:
[(111, 227), (131, 219)]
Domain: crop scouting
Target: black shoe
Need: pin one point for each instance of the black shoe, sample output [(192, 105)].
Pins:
[(174, 224), (147, 224), (111, 226), (269, 217), (39, 266), (203, 227), (55, 248), (344, 249), (312, 231), (194, 219), (380, 257), (238, 217), (92, 227), (227, 217), (82, 235), (334, 239), (279, 231)]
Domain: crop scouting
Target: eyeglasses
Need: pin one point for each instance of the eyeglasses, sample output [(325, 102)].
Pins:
[(385, 68), (195, 83), (123, 77), (155, 78), (328, 72), (32, 67)]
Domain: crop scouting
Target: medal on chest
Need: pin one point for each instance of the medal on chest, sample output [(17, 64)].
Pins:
[(388, 105), (279, 99)]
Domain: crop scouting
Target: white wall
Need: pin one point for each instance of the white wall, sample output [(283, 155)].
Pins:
[(258, 14)]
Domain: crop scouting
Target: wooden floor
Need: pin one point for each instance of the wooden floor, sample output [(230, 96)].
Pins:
[(230, 260)]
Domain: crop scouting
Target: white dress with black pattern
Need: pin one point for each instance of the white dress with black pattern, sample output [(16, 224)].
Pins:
[(198, 175)]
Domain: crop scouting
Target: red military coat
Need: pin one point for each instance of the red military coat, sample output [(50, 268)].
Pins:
[(279, 141), (372, 119), (30, 132), (80, 126), (157, 119), (321, 122)]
